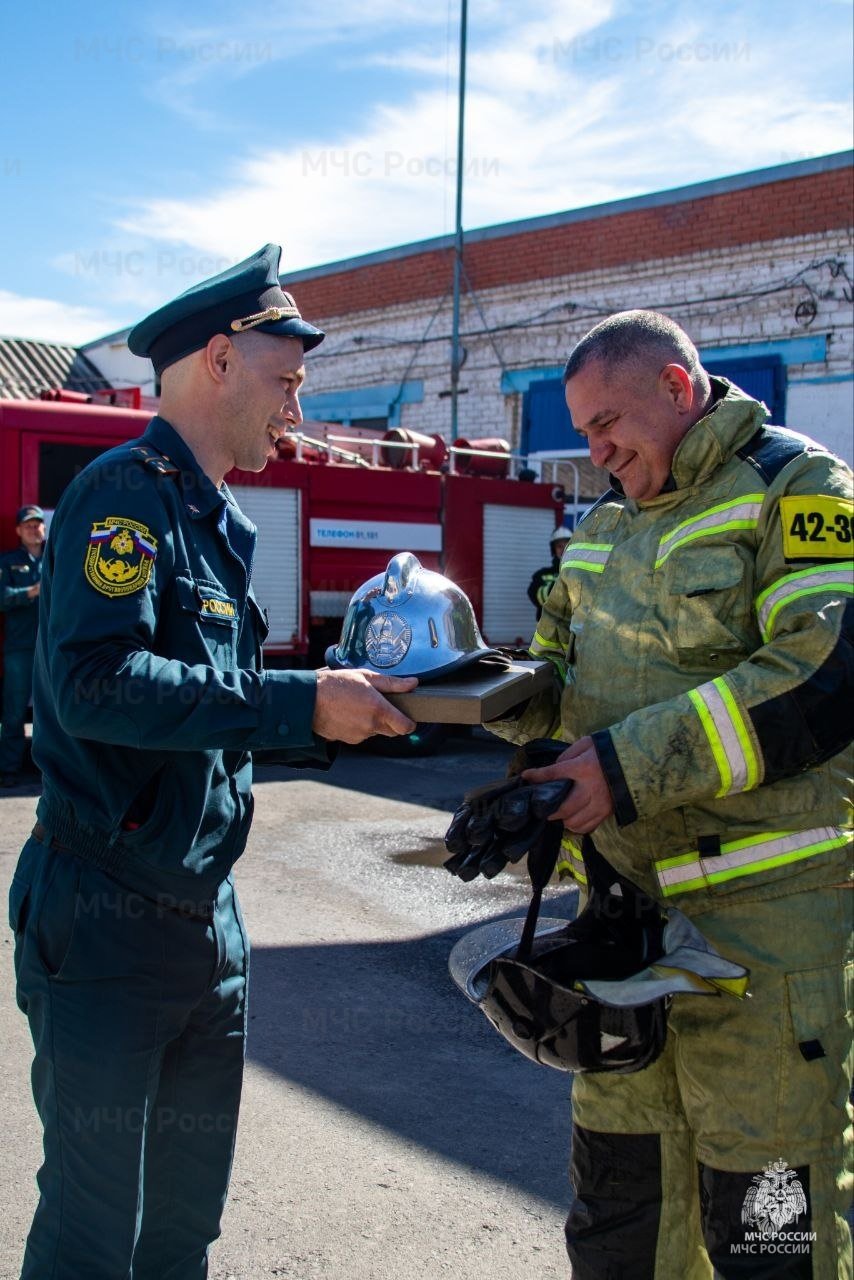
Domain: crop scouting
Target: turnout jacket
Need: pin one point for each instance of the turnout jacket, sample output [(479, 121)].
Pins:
[(541, 584), (149, 692), (704, 639)]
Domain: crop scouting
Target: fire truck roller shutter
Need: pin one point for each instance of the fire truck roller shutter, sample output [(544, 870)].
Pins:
[(277, 569), (515, 544)]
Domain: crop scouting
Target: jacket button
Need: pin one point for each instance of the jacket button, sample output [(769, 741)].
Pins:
[(284, 729)]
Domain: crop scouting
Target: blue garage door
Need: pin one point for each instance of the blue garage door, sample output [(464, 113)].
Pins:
[(763, 377), (546, 424)]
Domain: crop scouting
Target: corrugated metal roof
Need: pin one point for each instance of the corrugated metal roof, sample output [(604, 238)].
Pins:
[(28, 367)]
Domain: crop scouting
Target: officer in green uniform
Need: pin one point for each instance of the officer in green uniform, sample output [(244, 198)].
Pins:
[(20, 583), (701, 634), (150, 703), (544, 579)]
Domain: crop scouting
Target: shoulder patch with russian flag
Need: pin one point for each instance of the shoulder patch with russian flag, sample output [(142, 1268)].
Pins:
[(120, 556)]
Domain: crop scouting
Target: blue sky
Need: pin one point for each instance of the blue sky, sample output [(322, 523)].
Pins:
[(146, 146)]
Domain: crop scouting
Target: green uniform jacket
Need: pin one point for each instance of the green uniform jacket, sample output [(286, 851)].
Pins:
[(148, 688), (18, 572), (704, 639)]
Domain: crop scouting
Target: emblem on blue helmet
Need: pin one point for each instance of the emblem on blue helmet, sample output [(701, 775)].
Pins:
[(387, 639)]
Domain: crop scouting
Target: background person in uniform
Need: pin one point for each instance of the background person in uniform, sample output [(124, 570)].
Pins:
[(701, 633), (151, 701), (544, 579), (20, 583)]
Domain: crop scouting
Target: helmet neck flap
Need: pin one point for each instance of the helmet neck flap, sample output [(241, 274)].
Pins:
[(586, 996)]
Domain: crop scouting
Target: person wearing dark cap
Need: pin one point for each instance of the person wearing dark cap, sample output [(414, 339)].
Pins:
[(131, 954), (20, 583)]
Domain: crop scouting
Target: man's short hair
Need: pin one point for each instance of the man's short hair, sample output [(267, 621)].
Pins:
[(636, 337)]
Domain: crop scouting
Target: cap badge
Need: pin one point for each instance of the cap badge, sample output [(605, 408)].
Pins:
[(262, 317)]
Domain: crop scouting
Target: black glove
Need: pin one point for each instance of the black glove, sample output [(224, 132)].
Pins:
[(502, 821)]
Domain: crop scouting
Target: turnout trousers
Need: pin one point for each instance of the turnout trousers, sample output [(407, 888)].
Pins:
[(138, 1017), (730, 1157)]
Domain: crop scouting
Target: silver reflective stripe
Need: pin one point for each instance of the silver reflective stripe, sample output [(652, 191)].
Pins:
[(592, 556), (740, 513), (728, 736), (806, 582), (690, 871)]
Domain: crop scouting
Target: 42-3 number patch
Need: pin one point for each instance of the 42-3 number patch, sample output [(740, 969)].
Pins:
[(817, 527)]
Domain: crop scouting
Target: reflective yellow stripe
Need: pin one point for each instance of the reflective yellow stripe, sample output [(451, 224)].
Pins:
[(551, 651), (555, 659), (592, 556), (728, 735), (748, 856), (571, 863), (739, 513), (714, 742), (582, 564), (540, 642), (806, 582)]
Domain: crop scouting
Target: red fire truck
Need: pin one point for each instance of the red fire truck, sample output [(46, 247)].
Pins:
[(331, 512)]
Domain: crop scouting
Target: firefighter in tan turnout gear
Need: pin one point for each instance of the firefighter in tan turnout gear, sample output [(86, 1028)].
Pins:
[(700, 631)]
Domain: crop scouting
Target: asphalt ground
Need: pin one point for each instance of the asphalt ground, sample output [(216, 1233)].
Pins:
[(387, 1132)]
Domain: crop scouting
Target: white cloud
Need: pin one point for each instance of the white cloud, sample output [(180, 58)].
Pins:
[(393, 182), (186, 57), (567, 106), (46, 320)]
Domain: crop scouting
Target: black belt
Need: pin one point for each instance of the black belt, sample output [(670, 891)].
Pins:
[(189, 910), (40, 834)]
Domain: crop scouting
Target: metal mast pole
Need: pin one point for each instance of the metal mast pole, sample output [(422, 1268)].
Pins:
[(458, 246)]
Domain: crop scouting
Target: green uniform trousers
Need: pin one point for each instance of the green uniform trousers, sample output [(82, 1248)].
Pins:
[(138, 1016), (668, 1163), (17, 691)]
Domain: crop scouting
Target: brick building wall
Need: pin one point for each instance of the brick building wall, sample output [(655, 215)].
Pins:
[(381, 345), (755, 265), (670, 228)]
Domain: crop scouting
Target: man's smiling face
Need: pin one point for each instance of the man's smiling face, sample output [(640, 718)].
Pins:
[(633, 419), (31, 534), (264, 396)]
